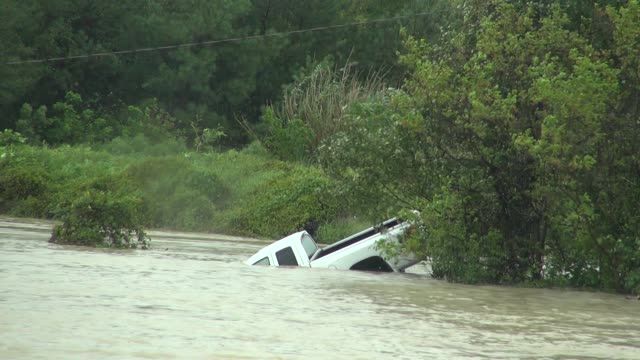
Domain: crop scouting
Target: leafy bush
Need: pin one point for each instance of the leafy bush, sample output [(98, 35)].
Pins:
[(23, 184), (242, 192), (105, 212), (245, 171), (320, 97), (287, 140), (516, 138), (77, 121), (70, 122), (378, 166), (299, 199), (18, 184), (10, 138), (313, 107)]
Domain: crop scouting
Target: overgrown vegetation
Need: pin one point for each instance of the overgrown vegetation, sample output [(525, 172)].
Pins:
[(100, 195), (312, 109), (516, 136), (511, 126), (105, 212)]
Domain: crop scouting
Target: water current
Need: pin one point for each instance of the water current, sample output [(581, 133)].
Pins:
[(192, 297)]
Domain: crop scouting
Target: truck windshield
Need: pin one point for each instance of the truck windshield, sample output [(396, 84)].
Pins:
[(309, 245)]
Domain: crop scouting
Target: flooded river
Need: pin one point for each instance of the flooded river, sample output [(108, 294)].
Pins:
[(191, 297)]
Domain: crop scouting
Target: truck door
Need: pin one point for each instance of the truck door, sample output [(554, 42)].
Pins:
[(287, 257)]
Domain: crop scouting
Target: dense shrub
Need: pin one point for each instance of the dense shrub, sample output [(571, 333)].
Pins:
[(313, 108), (23, 184), (77, 121), (104, 212), (23, 190), (516, 137), (290, 140), (242, 192), (297, 200)]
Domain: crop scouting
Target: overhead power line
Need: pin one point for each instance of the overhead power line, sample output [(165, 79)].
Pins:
[(220, 41)]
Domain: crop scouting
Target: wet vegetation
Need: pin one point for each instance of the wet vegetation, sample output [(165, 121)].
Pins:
[(512, 127), (240, 192)]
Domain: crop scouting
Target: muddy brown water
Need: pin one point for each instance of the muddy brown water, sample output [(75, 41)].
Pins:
[(192, 297)]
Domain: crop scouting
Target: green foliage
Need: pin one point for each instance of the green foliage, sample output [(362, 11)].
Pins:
[(244, 192), (141, 146), (177, 194), (150, 120), (23, 189), (313, 109), (213, 83), (37, 179), (366, 161), (70, 123), (515, 134), (9, 139), (516, 138), (244, 171), (300, 198), (338, 229), (104, 212), (287, 140), (75, 121), (205, 140), (23, 182)]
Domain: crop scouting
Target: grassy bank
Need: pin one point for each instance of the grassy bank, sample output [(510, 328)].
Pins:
[(243, 192)]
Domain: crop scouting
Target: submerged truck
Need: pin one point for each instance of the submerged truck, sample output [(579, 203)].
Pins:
[(356, 252)]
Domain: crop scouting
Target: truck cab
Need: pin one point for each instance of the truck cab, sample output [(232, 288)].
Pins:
[(294, 250), (356, 252)]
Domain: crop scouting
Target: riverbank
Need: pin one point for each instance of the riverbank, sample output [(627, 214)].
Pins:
[(244, 193)]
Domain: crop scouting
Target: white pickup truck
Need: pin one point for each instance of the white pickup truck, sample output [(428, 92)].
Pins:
[(357, 252)]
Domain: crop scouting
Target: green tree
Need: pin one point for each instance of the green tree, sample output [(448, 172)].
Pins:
[(519, 136), (211, 84), (102, 212)]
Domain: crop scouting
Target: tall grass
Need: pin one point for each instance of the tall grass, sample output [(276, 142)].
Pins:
[(321, 98)]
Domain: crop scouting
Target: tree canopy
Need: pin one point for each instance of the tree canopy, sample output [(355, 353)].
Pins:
[(208, 85), (516, 137)]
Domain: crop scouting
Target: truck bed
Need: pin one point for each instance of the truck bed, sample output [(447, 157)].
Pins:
[(365, 234)]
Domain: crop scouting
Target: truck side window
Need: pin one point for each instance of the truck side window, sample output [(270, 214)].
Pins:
[(286, 257), (263, 261), (308, 245)]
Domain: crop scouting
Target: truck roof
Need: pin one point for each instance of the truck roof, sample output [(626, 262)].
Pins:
[(276, 246)]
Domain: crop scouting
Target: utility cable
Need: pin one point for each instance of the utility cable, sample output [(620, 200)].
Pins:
[(221, 41)]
